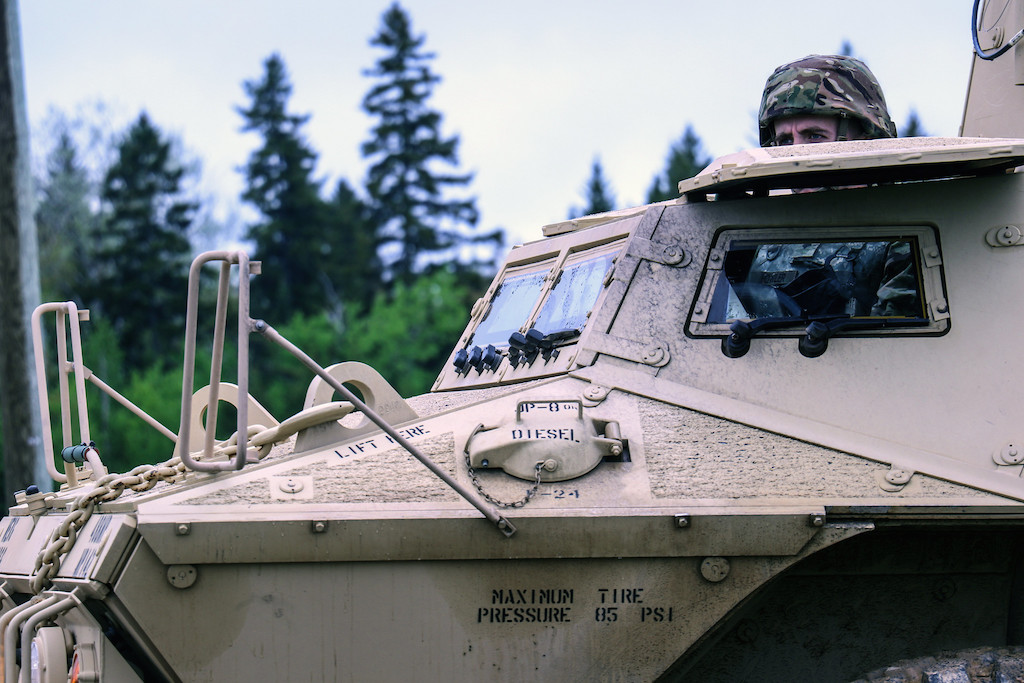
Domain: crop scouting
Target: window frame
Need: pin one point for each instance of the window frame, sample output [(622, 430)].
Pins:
[(927, 254)]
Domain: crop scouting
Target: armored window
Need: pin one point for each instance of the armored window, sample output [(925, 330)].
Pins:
[(574, 294), (511, 307), (846, 281)]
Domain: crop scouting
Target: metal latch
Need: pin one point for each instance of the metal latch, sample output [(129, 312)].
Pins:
[(555, 434)]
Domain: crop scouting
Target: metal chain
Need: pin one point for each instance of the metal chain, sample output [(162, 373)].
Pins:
[(107, 488), (500, 503), (142, 478)]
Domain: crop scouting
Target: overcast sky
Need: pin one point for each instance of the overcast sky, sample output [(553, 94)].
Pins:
[(535, 89)]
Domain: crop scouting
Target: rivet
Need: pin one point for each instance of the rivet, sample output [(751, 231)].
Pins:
[(817, 520), (1010, 454), (653, 354), (181, 575), (714, 569), (183, 529), (683, 520), (898, 477), (596, 393), (319, 527)]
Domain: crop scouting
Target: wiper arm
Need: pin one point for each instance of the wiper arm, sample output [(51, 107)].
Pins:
[(525, 347), (742, 331), (819, 330), (815, 340)]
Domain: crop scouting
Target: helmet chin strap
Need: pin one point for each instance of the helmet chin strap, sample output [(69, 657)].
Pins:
[(843, 131)]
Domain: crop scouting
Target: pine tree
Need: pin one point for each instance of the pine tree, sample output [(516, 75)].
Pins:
[(913, 127), (686, 159), (142, 253), (598, 195), (316, 255), (419, 225), (356, 265), (280, 185), (65, 222)]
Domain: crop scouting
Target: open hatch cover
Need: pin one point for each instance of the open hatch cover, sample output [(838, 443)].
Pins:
[(759, 170)]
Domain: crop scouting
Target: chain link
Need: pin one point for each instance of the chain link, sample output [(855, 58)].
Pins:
[(142, 478), (106, 489), (500, 503)]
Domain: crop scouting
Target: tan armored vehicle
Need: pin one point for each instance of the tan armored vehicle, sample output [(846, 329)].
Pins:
[(641, 463)]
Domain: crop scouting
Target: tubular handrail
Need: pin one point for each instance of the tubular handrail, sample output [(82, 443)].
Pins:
[(245, 269), (10, 627), (68, 319), (37, 617), (246, 326), (64, 310)]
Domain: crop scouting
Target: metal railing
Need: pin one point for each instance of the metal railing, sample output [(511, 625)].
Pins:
[(69, 317), (245, 328), (68, 323)]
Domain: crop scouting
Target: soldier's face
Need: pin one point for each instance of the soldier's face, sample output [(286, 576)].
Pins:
[(808, 129)]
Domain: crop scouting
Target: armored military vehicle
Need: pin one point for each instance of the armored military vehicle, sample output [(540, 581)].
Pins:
[(639, 463)]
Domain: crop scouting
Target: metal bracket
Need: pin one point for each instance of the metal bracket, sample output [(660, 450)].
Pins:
[(1005, 236), (654, 353), (895, 480), (658, 252), (1009, 454)]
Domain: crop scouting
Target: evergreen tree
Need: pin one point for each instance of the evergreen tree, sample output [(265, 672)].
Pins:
[(913, 127), (686, 158), (142, 254), (316, 256), (356, 263), (419, 225), (65, 222), (598, 195)]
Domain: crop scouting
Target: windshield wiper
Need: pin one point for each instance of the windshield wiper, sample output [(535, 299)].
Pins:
[(819, 329), (742, 331), (818, 332), (523, 348)]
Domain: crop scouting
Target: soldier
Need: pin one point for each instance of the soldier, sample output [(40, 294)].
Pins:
[(823, 99), (827, 99)]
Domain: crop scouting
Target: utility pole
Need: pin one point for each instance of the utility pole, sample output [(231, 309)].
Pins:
[(19, 274)]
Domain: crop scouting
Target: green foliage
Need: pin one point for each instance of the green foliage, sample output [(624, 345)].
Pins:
[(598, 195), (419, 226), (408, 334), (353, 254), (129, 440), (278, 380), (686, 158)]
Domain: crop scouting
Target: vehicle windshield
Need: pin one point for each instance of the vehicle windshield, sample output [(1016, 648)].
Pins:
[(573, 296), (512, 304)]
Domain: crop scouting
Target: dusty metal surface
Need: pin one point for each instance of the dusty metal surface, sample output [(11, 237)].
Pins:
[(631, 468)]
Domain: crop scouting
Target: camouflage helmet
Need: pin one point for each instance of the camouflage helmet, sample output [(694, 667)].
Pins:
[(825, 84)]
